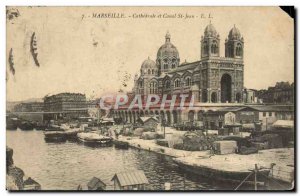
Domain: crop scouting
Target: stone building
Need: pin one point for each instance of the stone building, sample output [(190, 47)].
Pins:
[(216, 83), (29, 107), (282, 92), (65, 106), (265, 115), (250, 96), (212, 79)]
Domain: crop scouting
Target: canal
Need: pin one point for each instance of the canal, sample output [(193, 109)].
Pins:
[(64, 166)]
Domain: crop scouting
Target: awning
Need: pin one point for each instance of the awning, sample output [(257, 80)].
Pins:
[(284, 124)]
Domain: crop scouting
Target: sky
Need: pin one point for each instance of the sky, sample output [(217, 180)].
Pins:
[(82, 54)]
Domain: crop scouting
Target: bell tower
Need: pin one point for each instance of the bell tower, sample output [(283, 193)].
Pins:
[(234, 44), (210, 42)]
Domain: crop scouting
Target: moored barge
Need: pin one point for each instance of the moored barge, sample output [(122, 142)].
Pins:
[(55, 136), (94, 139), (235, 177)]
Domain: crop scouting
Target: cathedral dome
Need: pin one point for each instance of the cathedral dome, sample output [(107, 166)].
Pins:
[(210, 31), (234, 33), (148, 63), (167, 49)]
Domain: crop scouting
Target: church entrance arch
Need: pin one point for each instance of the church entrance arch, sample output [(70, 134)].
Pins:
[(226, 88)]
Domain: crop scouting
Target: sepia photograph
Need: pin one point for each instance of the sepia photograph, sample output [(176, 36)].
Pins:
[(150, 98)]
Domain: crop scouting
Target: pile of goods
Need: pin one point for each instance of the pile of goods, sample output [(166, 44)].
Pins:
[(173, 139), (244, 146), (149, 129), (225, 147), (151, 135), (138, 132), (268, 141), (126, 132), (162, 142), (247, 150), (196, 142)]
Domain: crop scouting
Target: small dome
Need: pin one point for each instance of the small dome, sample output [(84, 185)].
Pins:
[(148, 63), (210, 31), (234, 33)]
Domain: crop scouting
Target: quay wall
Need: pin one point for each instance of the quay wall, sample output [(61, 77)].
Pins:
[(150, 145), (233, 162)]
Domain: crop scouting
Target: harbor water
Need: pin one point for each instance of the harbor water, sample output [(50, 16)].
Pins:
[(63, 166)]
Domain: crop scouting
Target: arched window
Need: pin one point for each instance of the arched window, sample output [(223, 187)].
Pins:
[(166, 66), (229, 50), (166, 63), (239, 50), (238, 97), (149, 72), (188, 81), (141, 84), (214, 47), (152, 71), (177, 83), (213, 97), (173, 63), (153, 87), (205, 48), (204, 96), (167, 84)]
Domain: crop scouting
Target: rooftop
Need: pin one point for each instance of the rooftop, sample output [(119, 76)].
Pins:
[(131, 178)]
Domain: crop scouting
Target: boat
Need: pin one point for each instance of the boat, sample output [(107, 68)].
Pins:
[(55, 136), (54, 128), (40, 126), (233, 177), (71, 134), (12, 123), (94, 139), (26, 126), (121, 144)]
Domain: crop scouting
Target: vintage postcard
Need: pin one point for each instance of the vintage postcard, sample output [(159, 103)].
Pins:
[(150, 98)]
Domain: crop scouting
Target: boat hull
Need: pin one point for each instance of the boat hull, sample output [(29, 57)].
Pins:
[(11, 127), (55, 137), (96, 143), (233, 177), (121, 145), (26, 127)]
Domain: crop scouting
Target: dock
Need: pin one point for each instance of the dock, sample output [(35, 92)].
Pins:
[(282, 157)]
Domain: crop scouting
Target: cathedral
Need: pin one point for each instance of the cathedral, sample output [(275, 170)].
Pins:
[(212, 79)]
